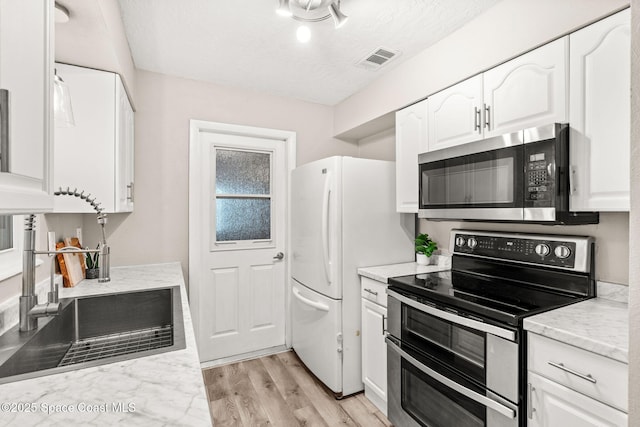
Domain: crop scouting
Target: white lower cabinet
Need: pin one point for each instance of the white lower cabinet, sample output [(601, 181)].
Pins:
[(572, 387), (374, 348), (556, 405)]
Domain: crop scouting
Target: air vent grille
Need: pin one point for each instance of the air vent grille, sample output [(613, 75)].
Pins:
[(378, 58)]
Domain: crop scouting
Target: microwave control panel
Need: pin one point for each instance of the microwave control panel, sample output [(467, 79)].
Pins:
[(540, 179)]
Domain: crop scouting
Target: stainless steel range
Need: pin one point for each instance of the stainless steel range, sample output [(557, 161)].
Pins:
[(456, 351)]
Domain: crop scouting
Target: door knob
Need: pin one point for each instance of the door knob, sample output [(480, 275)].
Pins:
[(279, 255)]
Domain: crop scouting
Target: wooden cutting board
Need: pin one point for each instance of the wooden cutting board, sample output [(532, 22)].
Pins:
[(72, 265)]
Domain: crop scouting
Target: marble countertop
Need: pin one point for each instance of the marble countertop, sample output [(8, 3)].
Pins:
[(162, 389), (598, 325), (382, 273)]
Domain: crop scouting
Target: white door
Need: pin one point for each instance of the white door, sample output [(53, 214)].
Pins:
[(237, 231), (455, 114), (528, 91)]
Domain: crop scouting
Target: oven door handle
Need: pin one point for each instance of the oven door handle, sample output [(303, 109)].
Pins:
[(464, 321), (477, 397)]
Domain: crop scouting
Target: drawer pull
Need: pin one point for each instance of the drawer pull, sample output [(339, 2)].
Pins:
[(371, 292), (561, 366)]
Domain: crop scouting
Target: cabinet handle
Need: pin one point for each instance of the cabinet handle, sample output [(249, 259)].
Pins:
[(477, 120), (487, 116), (561, 366), (374, 293), (573, 188), (384, 326), (530, 409), (4, 130), (130, 192)]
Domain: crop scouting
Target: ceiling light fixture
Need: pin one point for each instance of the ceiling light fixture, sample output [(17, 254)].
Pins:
[(311, 11), (284, 9), (62, 111), (303, 34), (339, 18)]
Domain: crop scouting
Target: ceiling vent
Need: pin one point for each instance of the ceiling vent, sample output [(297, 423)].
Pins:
[(378, 58)]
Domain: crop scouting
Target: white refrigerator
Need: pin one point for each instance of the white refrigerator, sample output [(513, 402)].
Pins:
[(343, 217)]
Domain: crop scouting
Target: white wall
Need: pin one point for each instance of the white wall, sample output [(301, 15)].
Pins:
[(64, 226), (157, 231), (504, 31), (381, 146), (634, 223), (611, 234)]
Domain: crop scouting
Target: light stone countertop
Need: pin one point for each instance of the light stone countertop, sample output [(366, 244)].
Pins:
[(382, 273), (162, 389), (598, 325)]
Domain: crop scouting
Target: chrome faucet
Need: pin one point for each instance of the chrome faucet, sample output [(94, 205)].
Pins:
[(30, 310)]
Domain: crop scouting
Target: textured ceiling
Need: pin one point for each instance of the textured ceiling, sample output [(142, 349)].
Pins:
[(244, 43)]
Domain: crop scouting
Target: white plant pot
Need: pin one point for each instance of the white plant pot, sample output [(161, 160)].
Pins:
[(422, 259)]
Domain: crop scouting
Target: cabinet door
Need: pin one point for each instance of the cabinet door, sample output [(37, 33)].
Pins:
[(84, 154), (26, 73), (411, 139), (599, 100), (554, 405), (455, 114), (374, 353), (528, 91), (124, 150)]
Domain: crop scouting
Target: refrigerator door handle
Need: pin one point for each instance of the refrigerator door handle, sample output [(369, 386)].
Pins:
[(315, 304), (325, 227)]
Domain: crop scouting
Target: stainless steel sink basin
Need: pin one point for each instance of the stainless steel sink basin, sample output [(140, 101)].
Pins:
[(95, 330)]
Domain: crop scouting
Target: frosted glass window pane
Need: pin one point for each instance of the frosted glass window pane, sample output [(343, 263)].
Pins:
[(243, 219), (242, 172)]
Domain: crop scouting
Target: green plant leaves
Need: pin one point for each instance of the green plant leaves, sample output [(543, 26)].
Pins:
[(424, 245)]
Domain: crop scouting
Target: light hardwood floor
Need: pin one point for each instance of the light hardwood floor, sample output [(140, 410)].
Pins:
[(277, 390)]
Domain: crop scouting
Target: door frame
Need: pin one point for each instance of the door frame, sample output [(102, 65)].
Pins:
[(196, 204)]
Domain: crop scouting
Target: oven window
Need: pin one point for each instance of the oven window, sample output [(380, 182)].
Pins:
[(457, 346), (433, 404), (488, 179)]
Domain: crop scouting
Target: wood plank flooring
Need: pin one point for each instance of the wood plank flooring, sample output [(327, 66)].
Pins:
[(278, 390)]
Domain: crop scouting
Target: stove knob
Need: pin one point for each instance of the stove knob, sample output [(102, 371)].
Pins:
[(472, 242), (562, 251), (460, 241), (542, 249)]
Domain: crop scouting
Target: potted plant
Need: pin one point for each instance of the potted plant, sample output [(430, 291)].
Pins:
[(424, 249), (93, 272)]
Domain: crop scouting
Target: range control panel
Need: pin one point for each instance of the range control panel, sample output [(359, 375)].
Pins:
[(569, 252)]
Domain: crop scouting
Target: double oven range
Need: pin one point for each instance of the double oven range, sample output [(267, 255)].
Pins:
[(456, 350)]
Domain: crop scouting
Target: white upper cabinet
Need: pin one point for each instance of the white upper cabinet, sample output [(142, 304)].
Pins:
[(95, 155), (411, 139), (599, 102), (25, 115), (455, 114), (528, 91)]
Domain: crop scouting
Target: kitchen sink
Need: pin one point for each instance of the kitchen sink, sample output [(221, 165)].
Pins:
[(95, 330)]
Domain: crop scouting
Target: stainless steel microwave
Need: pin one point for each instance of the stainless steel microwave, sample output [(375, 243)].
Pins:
[(517, 177)]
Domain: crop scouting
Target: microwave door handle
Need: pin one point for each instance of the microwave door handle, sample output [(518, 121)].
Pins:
[(476, 397)]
